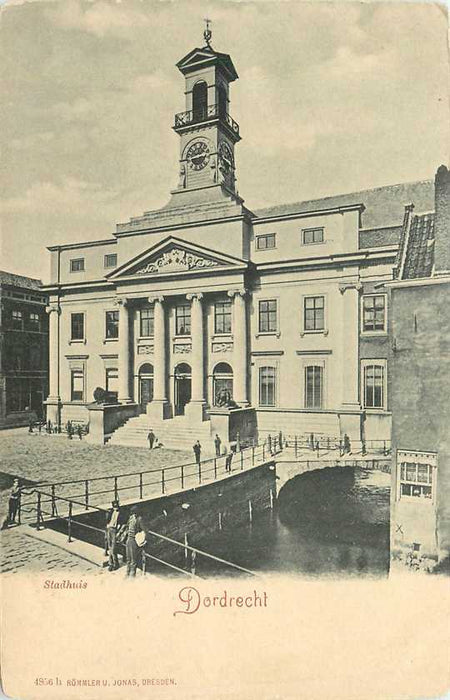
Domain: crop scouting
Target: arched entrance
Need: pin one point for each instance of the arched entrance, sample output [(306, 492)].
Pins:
[(145, 385), (222, 384), (182, 387)]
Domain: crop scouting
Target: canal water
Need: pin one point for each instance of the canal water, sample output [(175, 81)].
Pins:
[(326, 523)]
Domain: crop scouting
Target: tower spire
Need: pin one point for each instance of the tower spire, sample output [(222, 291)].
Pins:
[(207, 34)]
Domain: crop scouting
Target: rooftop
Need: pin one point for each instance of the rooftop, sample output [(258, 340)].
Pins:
[(13, 280), (384, 206)]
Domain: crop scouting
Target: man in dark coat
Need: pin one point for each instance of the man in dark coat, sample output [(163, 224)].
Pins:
[(197, 451), (114, 521)]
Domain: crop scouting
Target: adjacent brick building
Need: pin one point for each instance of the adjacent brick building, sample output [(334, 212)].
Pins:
[(420, 379), (23, 349)]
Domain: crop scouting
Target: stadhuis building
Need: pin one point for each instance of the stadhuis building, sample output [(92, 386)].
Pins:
[(283, 309)]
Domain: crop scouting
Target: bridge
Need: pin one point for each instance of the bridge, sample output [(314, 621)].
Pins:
[(77, 509)]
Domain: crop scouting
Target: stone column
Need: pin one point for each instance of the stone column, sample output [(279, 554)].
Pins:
[(157, 409), (350, 417), (195, 408), (53, 400), (124, 351), (240, 368)]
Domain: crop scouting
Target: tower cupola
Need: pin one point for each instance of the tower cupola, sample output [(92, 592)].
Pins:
[(208, 133)]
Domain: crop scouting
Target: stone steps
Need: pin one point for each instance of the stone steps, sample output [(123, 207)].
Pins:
[(174, 433)]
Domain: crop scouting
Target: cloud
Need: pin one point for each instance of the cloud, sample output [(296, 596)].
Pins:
[(70, 195), (99, 18)]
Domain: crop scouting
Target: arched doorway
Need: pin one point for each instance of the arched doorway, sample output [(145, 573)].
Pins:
[(199, 101), (182, 387), (145, 385), (222, 383)]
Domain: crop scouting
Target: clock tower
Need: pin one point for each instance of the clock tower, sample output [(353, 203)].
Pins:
[(208, 134)]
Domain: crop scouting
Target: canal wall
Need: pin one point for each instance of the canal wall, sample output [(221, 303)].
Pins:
[(196, 513)]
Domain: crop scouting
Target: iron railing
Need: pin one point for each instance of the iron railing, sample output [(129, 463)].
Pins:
[(160, 482), (203, 114), (188, 559)]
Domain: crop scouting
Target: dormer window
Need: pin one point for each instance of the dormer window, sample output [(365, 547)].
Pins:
[(199, 101)]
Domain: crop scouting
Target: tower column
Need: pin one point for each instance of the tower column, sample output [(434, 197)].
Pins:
[(53, 400), (157, 409), (240, 362), (124, 351), (195, 408)]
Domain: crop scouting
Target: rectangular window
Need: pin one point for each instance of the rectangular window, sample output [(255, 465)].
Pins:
[(112, 324), (416, 479), (268, 316), (313, 386), (17, 319), (110, 260), (222, 317), (267, 379), (374, 376), (183, 319), (147, 322), (77, 265), (374, 313), (312, 235), (77, 326), (265, 242), (35, 321), (77, 385), (314, 314), (112, 383)]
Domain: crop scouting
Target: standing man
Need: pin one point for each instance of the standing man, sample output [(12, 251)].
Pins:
[(197, 451), (151, 438), (134, 526), (114, 521), (217, 443)]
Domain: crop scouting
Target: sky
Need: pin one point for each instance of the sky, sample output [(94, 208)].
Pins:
[(331, 98)]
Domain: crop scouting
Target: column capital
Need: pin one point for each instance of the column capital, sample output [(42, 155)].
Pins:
[(237, 293), (121, 301), (343, 286), (194, 295), (155, 297), (53, 307)]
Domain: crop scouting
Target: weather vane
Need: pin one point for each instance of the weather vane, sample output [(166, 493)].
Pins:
[(207, 33)]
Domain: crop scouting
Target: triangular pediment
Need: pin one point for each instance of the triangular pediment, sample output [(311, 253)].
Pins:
[(205, 56), (176, 256)]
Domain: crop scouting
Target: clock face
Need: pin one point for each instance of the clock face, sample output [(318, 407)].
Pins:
[(225, 156), (198, 155)]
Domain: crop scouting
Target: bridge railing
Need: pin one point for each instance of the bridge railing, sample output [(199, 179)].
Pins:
[(318, 442), (161, 481), (47, 509)]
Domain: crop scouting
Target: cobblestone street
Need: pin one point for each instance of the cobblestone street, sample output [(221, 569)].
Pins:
[(54, 457), (20, 553)]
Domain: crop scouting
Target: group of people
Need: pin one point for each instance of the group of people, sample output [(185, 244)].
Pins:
[(73, 430), (128, 532), (220, 451)]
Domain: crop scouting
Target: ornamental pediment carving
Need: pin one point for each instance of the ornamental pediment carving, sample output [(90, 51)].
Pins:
[(175, 260)]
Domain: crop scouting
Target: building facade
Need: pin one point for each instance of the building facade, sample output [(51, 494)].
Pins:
[(23, 350), (205, 300), (420, 363)]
